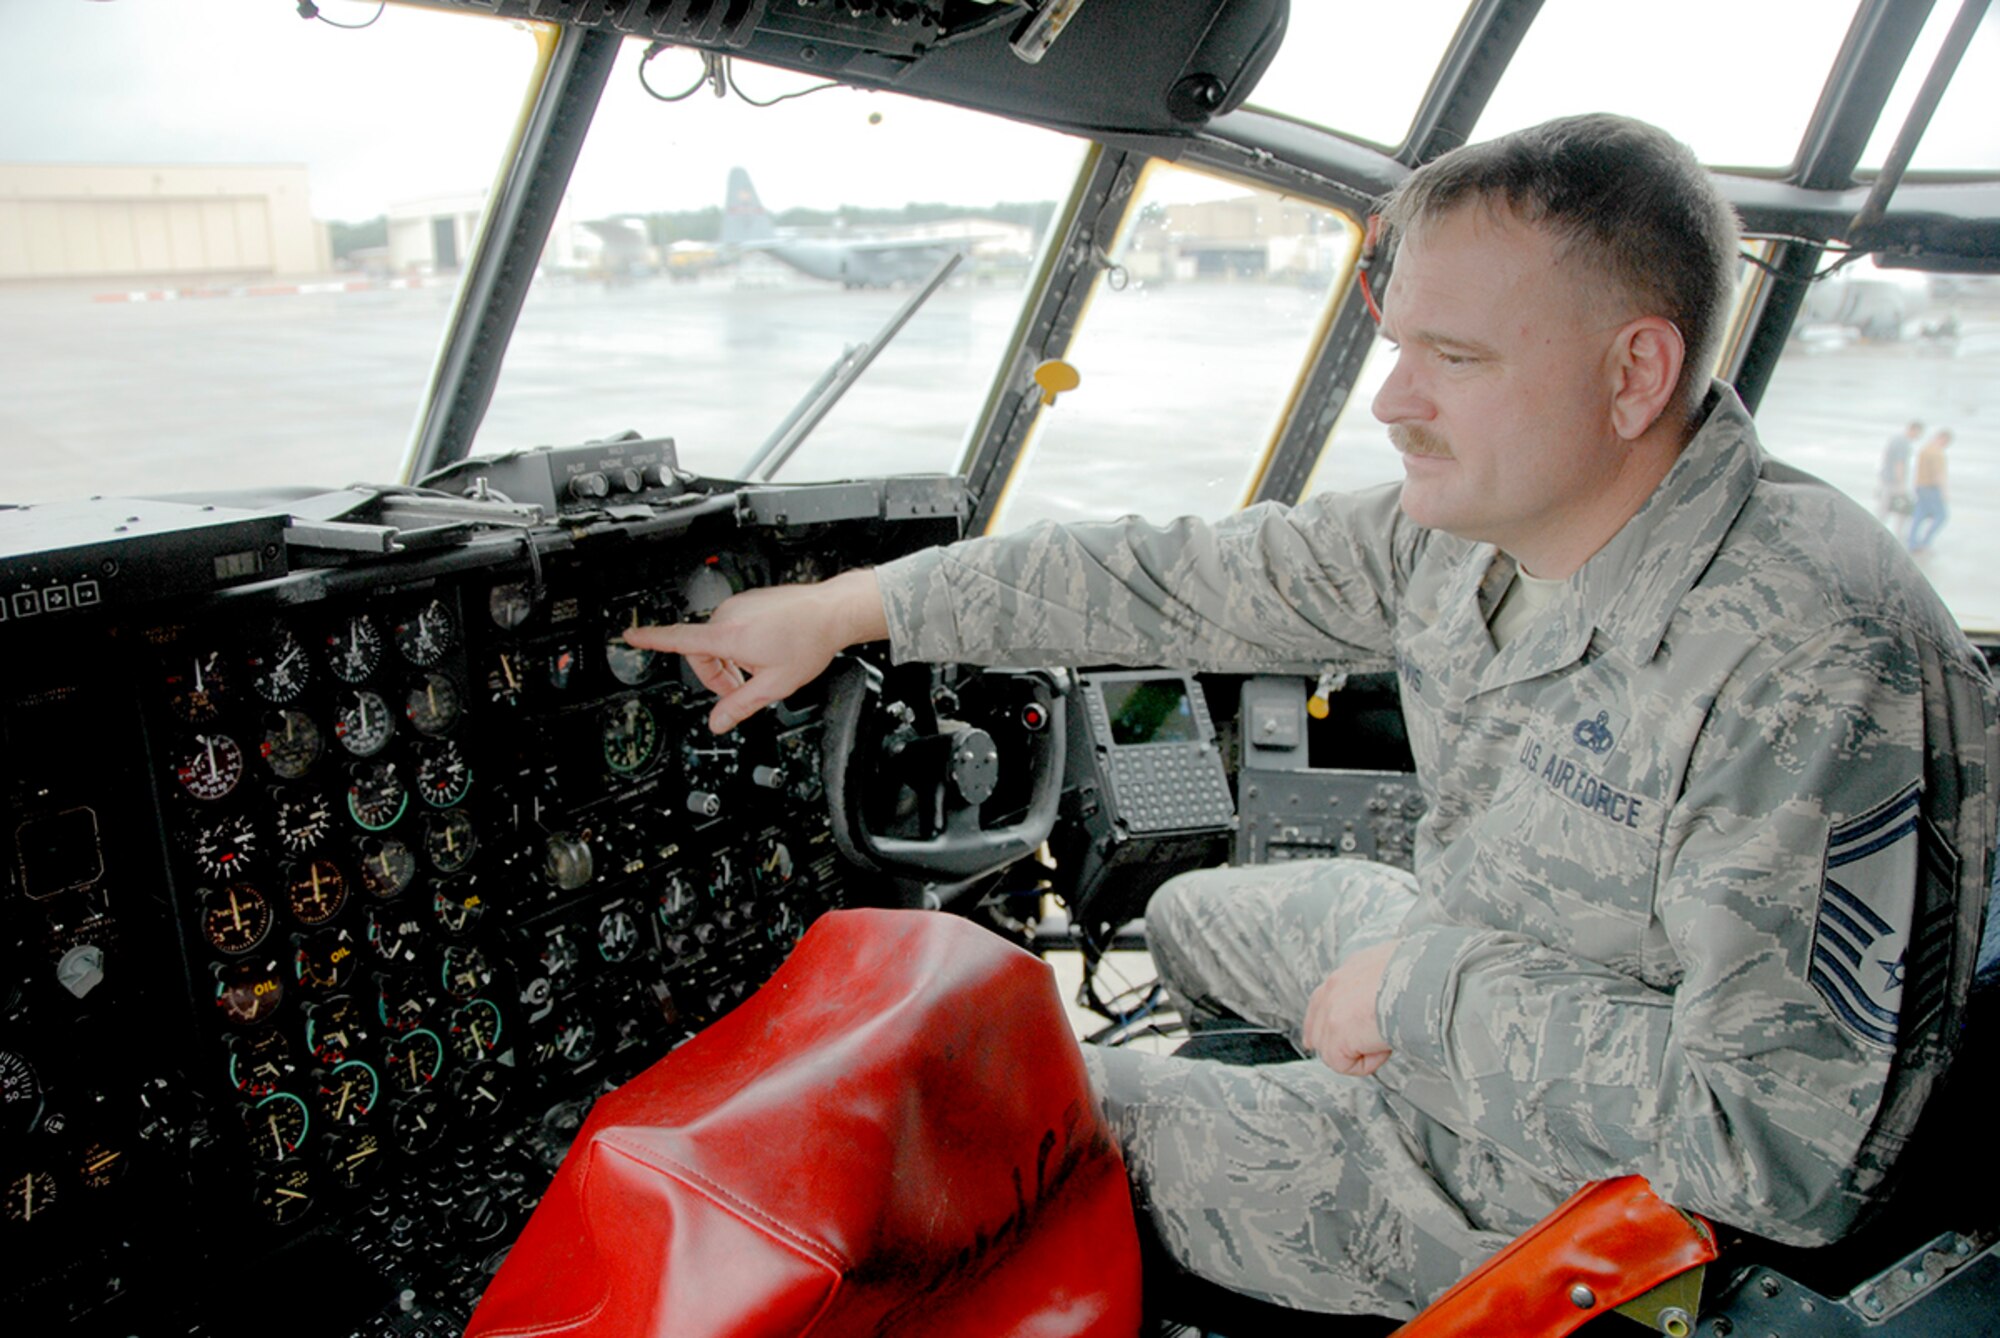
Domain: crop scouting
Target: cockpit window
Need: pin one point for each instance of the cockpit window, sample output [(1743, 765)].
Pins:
[(1963, 135), (716, 258), (1332, 71), (1709, 73), (229, 237), (1207, 304)]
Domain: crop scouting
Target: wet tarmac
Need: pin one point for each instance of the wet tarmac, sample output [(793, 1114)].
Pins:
[(111, 396)]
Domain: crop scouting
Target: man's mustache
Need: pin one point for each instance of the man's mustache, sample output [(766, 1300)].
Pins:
[(1417, 440)]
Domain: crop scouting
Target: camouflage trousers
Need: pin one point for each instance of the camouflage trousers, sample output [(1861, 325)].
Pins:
[(1290, 1182)]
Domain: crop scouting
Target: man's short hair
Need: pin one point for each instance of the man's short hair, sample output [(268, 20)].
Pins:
[(1619, 195)]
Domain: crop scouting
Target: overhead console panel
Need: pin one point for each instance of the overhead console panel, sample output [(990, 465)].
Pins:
[(1159, 67)]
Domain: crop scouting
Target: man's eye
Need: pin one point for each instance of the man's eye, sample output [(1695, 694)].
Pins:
[(1455, 359)]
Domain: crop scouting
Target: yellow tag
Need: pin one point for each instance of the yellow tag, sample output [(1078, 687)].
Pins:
[(1316, 707), (1054, 377)]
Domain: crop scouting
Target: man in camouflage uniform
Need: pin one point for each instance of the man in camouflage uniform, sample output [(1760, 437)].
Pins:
[(1700, 881)]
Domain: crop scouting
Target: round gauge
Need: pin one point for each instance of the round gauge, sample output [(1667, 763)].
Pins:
[(458, 909), (465, 971), (277, 1125), (197, 687), (280, 670), (419, 1123), (226, 848), (773, 870), (393, 934), (316, 891), (210, 768), (354, 649), (617, 936), (399, 1004), (449, 841), (707, 586), (291, 744), (710, 762), (432, 706), (303, 819), (567, 861), (425, 636), (101, 1166), (362, 723), (480, 1092), (575, 1038), (20, 1093), (475, 1030), (559, 956), (259, 1061), (236, 919), (413, 1060), (388, 867), (721, 877), (29, 1195), (353, 1156), (562, 667), (349, 1092), (629, 664), (324, 960), (376, 796), (504, 679), (247, 993), (510, 605), (443, 776), (335, 1028), (630, 734), (676, 899), (285, 1195)]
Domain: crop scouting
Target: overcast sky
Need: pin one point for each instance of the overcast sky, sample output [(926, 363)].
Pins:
[(418, 104)]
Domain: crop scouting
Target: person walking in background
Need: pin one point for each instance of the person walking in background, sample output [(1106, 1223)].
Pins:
[(1928, 515), (1892, 481)]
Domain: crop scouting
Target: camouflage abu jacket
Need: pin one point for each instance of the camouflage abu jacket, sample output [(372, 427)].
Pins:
[(1706, 853)]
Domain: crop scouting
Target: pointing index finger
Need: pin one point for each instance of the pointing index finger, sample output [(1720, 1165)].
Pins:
[(677, 639)]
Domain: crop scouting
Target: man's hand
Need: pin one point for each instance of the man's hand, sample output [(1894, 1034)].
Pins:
[(1340, 1023), (763, 645)]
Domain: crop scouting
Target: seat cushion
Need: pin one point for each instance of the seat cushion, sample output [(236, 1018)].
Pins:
[(894, 1136)]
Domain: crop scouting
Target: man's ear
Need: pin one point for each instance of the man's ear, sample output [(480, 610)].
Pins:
[(1646, 358)]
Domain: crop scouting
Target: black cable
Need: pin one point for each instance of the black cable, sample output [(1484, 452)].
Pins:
[(309, 10), (729, 73), (655, 49)]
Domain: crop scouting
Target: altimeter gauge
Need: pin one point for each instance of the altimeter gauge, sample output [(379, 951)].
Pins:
[(354, 649), (425, 637)]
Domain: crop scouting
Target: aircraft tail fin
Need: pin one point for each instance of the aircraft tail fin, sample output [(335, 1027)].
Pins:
[(744, 218)]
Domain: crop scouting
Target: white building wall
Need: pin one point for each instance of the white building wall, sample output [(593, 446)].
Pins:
[(76, 221)]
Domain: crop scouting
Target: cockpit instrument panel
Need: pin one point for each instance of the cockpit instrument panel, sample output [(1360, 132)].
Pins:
[(334, 899)]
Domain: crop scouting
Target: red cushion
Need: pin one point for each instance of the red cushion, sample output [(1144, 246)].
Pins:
[(894, 1136)]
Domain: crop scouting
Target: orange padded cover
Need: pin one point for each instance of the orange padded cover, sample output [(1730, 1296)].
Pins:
[(1615, 1237), (894, 1136)]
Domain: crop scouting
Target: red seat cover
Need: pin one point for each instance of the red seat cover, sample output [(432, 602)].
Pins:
[(894, 1136)]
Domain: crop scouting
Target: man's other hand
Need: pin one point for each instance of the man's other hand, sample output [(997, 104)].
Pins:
[(1340, 1025), (763, 645)]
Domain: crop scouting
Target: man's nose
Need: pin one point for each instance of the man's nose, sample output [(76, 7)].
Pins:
[(1398, 401)]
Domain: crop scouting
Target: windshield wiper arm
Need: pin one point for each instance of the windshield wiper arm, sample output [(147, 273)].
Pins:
[(818, 401)]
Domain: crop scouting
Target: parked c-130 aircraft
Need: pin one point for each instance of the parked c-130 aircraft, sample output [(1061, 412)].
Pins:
[(856, 262), (352, 855)]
